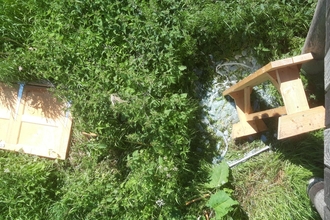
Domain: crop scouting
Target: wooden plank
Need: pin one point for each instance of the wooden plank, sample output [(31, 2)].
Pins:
[(41, 125), (239, 103), (300, 59), (296, 60), (287, 74), (245, 128), (273, 79), (247, 100), (281, 63), (301, 122), (292, 90), (275, 112), (259, 76)]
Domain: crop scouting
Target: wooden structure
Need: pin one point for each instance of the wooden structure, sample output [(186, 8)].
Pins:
[(33, 121), (295, 116)]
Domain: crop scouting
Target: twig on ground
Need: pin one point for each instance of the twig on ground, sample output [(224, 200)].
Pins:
[(198, 199)]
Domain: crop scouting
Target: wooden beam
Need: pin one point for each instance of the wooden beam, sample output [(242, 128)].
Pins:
[(247, 100), (266, 114), (292, 90), (239, 103), (245, 128), (273, 78), (301, 122)]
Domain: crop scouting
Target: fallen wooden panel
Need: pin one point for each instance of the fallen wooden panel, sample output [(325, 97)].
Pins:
[(301, 122), (36, 122)]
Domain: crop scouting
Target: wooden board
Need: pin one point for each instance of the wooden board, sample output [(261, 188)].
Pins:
[(245, 128), (260, 75), (292, 90), (275, 112), (41, 125), (301, 122)]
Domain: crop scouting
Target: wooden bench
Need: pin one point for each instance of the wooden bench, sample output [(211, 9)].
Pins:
[(295, 116)]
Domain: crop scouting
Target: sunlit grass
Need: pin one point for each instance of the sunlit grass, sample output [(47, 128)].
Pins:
[(272, 185)]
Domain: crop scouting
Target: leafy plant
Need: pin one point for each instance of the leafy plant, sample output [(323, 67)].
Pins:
[(148, 157), (220, 201)]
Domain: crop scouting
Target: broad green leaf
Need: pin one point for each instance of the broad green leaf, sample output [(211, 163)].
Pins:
[(181, 68), (183, 95), (221, 203), (219, 176)]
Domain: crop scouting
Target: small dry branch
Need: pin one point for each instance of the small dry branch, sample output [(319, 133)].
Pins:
[(198, 199)]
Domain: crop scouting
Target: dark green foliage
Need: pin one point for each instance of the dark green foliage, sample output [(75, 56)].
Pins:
[(148, 150), (28, 186)]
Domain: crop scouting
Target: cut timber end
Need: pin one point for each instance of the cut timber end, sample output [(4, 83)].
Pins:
[(301, 122)]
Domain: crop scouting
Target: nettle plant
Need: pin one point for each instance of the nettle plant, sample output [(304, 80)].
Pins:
[(147, 53)]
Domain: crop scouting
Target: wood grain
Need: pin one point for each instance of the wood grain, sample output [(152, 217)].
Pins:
[(40, 125), (301, 122)]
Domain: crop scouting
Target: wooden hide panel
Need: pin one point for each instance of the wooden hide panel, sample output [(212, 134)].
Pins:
[(38, 124), (8, 103)]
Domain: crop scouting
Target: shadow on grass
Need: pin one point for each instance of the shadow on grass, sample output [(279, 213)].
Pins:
[(305, 150)]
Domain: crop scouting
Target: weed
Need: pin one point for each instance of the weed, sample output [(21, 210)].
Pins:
[(149, 157)]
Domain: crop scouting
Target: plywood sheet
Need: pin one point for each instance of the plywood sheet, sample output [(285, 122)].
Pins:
[(35, 122)]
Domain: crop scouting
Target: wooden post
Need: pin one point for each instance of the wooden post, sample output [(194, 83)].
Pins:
[(243, 107), (327, 114)]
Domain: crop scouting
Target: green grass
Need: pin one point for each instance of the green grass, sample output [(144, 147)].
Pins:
[(153, 54), (272, 185)]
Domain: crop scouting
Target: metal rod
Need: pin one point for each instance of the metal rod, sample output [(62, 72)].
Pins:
[(247, 157)]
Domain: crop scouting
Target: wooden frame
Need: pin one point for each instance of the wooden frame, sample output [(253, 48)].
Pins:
[(284, 75), (33, 121)]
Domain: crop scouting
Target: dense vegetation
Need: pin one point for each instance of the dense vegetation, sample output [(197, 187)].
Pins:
[(150, 156)]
